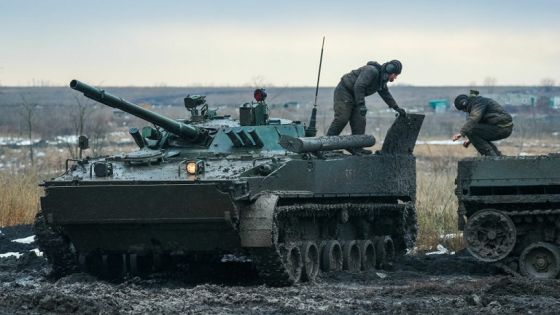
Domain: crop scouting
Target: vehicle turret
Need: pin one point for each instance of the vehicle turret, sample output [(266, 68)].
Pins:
[(186, 131)]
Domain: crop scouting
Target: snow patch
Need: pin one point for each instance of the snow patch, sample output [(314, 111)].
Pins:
[(25, 240), (27, 281), (381, 275), (450, 236), (37, 252), (233, 258), (439, 142), (9, 254), (17, 141), (411, 252), (441, 251)]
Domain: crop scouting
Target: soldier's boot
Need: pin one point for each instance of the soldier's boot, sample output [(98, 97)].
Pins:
[(359, 151), (498, 153), (483, 147)]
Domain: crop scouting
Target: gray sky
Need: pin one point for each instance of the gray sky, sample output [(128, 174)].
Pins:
[(242, 42)]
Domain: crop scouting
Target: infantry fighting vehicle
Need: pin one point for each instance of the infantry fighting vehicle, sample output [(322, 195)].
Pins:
[(211, 186), (509, 211)]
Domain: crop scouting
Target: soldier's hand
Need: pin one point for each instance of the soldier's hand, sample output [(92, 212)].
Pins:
[(456, 136), (363, 110), (400, 111)]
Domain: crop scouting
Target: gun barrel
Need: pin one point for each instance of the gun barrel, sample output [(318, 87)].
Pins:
[(325, 143), (178, 128)]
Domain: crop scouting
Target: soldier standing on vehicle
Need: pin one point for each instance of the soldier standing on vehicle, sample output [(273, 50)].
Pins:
[(486, 121), (350, 93)]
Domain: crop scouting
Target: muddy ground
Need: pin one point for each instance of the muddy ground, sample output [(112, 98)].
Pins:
[(417, 284)]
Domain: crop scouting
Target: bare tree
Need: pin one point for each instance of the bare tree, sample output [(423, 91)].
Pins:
[(490, 83), (79, 116), (258, 81), (547, 84), (98, 132), (27, 114)]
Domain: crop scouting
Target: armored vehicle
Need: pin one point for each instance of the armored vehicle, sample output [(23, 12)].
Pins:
[(509, 211), (212, 186)]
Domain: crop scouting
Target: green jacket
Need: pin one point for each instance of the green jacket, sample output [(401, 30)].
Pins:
[(485, 110), (366, 81)]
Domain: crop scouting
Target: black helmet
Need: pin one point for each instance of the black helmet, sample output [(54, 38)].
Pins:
[(461, 102), (393, 66)]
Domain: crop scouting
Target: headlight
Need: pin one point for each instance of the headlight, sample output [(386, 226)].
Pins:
[(192, 168)]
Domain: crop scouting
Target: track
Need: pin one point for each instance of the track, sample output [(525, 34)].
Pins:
[(354, 236), (524, 242)]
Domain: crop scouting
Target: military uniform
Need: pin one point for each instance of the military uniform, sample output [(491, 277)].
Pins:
[(487, 121), (350, 93)]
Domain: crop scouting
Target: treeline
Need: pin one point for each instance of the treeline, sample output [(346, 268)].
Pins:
[(46, 112)]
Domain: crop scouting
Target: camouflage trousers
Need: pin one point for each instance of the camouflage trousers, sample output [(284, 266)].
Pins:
[(482, 135), (345, 110)]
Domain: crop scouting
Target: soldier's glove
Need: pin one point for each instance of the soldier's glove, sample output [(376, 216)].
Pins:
[(400, 111), (363, 110)]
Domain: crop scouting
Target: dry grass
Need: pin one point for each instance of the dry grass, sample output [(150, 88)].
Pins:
[(19, 197), (436, 201), (437, 211)]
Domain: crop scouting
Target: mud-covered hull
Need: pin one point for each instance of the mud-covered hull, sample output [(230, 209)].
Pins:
[(205, 215), (139, 217), (509, 209)]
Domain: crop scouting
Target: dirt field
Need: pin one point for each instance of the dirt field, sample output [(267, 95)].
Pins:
[(417, 284)]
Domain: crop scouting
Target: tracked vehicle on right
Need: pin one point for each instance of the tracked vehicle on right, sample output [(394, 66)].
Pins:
[(509, 211)]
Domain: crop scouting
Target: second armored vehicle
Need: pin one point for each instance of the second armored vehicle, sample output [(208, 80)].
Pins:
[(509, 210), (209, 186)]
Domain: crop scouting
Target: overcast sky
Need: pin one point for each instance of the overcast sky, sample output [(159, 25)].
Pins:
[(242, 42)]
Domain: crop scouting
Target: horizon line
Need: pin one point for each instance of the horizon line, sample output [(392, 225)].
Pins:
[(276, 86)]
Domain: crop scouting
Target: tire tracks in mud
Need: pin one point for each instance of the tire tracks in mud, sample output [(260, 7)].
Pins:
[(416, 284)]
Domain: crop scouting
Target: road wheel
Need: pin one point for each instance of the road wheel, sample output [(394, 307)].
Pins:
[(310, 256), (351, 258), (384, 251), (293, 263), (540, 260), (367, 251), (490, 235), (331, 257)]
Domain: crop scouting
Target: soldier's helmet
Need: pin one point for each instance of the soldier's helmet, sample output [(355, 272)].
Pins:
[(461, 102), (393, 66)]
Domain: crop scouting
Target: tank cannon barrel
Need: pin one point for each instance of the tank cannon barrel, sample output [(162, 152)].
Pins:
[(325, 143), (173, 126)]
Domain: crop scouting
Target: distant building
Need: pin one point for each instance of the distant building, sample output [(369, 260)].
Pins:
[(439, 105), (515, 99), (555, 102), (291, 104)]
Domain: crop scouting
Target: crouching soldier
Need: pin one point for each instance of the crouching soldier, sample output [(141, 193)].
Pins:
[(487, 121)]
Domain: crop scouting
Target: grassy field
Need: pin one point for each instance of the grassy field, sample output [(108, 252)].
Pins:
[(19, 197), (436, 201)]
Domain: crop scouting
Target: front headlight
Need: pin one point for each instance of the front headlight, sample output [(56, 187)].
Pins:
[(192, 168)]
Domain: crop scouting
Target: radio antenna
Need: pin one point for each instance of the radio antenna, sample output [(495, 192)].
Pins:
[(311, 131)]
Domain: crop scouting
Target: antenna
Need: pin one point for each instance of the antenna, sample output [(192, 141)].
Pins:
[(311, 131)]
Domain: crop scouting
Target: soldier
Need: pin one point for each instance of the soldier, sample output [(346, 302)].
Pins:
[(487, 121), (350, 93)]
